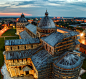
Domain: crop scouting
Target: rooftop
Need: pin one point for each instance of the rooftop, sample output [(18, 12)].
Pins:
[(32, 28), (41, 58), (53, 38), (69, 61), (25, 35), (21, 41), (20, 54), (73, 33), (46, 22)]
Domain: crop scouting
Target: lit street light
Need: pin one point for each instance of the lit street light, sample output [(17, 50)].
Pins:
[(81, 34)]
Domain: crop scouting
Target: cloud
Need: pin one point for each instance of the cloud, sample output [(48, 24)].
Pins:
[(26, 2), (38, 7), (14, 14)]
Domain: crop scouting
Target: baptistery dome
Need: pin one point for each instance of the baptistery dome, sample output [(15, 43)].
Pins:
[(22, 18), (46, 22), (69, 61)]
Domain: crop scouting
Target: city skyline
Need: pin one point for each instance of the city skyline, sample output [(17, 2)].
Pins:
[(56, 8)]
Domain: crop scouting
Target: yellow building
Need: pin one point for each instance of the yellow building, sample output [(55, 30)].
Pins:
[(83, 42)]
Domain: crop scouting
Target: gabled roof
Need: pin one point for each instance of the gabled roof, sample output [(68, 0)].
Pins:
[(41, 59), (26, 68), (21, 41), (20, 54), (53, 38), (32, 28), (73, 33), (25, 35)]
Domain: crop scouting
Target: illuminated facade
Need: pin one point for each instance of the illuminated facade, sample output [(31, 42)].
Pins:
[(20, 24), (83, 42), (44, 52)]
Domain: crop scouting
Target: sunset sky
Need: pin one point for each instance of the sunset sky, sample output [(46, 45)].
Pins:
[(57, 8)]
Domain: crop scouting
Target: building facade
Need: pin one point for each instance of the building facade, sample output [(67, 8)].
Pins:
[(83, 42), (44, 51), (20, 24)]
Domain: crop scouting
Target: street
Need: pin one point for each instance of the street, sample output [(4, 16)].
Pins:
[(3, 30)]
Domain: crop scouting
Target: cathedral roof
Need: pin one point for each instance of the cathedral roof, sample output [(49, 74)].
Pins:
[(25, 35), (32, 28), (69, 61), (22, 18), (22, 41), (20, 54), (41, 59), (46, 22), (73, 33), (53, 38)]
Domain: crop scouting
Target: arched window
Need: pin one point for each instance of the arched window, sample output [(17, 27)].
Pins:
[(22, 60), (18, 47), (11, 48), (46, 31), (25, 47), (13, 60), (46, 46), (50, 49), (31, 46)]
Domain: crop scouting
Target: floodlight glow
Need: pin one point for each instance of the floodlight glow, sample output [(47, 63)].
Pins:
[(81, 34)]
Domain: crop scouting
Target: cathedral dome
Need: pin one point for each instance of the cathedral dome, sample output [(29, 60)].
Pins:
[(22, 18), (69, 61), (46, 22)]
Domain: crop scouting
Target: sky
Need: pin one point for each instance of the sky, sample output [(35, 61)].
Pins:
[(55, 8)]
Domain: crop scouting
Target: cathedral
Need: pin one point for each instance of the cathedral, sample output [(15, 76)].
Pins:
[(44, 51)]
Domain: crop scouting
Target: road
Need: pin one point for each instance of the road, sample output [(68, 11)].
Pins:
[(3, 30)]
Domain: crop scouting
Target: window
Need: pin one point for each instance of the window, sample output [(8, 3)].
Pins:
[(22, 60), (13, 61), (20, 68), (50, 49), (46, 46), (17, 60), (31, 46), (25, 47), (18, 47), (11, 48)]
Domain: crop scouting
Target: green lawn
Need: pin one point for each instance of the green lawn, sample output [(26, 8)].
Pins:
[(10, 32), (84, 64), (2, 48), (1, 53), (83, 76)]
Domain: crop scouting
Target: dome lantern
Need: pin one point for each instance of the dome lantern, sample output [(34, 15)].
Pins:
[(46, 13), (22, 15)]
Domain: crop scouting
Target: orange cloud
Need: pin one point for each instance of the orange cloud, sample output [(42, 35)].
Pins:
[(14, 14)]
